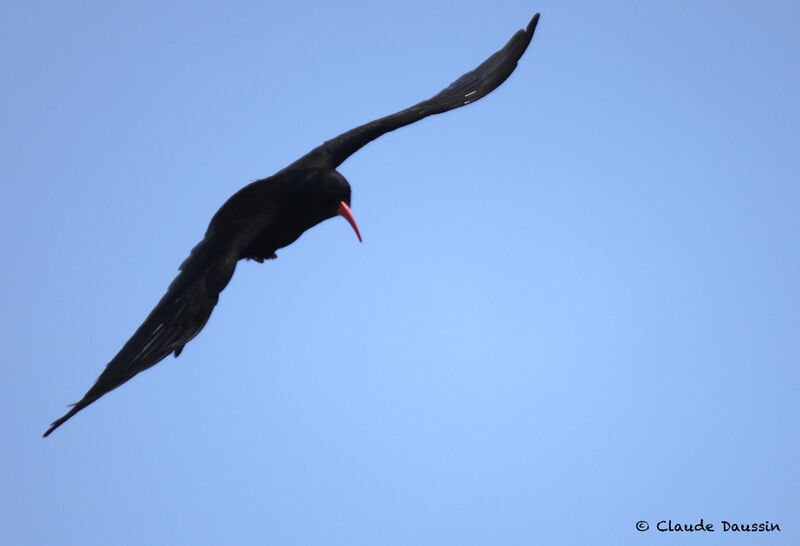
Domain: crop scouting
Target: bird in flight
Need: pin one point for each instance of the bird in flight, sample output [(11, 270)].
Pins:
[(272, 213)]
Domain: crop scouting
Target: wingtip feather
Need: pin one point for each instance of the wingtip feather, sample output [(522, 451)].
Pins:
[(529, 31), (55, 424), (75, 408), (532, 24)]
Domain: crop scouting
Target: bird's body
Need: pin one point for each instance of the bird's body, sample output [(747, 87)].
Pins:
[(275, 211), (270, 214)]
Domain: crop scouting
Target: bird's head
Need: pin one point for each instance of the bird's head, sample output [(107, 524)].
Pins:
[(330, 194)]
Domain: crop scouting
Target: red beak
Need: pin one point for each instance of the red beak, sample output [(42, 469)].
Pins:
[(344, 212)]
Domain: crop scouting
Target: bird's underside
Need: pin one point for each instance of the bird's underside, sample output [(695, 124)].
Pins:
[(270, 214)]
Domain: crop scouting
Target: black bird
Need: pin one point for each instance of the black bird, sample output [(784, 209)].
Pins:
[(272, 213)]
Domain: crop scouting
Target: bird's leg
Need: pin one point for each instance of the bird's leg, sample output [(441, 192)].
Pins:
[(261, 260)]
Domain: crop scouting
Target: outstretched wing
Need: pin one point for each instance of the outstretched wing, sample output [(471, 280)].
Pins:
[(466, 89), (178, 317)]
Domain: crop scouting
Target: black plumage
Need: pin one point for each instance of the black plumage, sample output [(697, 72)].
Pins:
[(270, 214)]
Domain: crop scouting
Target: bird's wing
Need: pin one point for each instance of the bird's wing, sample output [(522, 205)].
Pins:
[(466, 89), (179, 316)]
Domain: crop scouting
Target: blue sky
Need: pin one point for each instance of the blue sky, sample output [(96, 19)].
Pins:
[(575, 307)]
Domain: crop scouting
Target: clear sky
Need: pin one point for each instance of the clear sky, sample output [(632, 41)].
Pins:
[(576, 305)]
